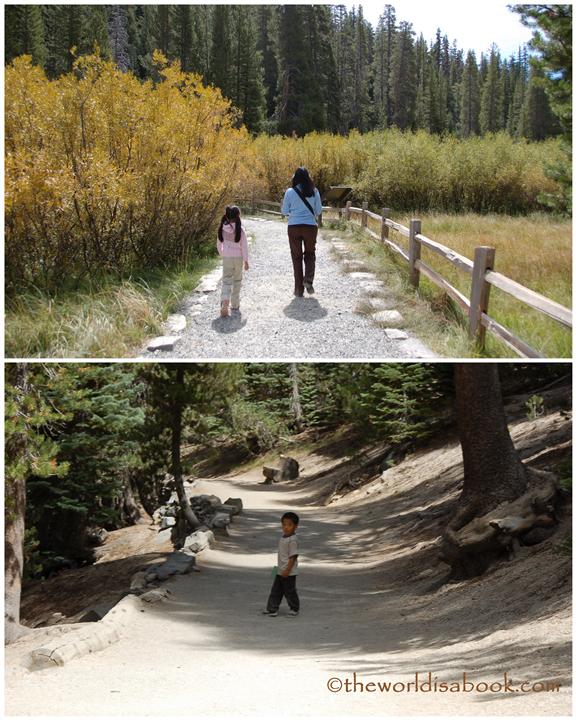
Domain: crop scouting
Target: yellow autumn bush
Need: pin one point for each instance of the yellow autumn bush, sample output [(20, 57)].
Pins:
[(106, 173)]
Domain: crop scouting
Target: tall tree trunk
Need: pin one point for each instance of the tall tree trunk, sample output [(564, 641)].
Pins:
[(296, 405), (15, 509), (177, 411), (131, 512), (493, 472)]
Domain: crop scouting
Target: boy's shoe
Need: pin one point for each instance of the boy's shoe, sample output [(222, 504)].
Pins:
[(309, 287), (273, 613), (293, 613)]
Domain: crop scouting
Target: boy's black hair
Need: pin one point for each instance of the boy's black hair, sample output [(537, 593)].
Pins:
[(291, 516)]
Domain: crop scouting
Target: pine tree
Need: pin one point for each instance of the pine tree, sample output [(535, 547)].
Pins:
[(24, 33), (248, 93), (184, 31), (164, 29), (470, 98), (141, 42), (220, 55), (266, 46), (491, 104), (118, 34), (537, 121), (403, 78), (422, 112), (95, 31), (383, 46), (64, 31), (518, 91), (295, 72)]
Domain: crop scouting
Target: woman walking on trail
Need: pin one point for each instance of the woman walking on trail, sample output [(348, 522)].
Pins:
[(232, 245), (302, 205)]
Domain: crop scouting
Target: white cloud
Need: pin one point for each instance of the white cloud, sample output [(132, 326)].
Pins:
[(474, 25)]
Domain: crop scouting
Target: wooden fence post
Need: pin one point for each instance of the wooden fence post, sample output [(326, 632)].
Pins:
[(253, 200), (320, 220), (364, 216), (347, 212), (414, 249), (480, 293), (384, 230)]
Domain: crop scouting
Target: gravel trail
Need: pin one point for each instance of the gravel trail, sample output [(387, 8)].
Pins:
[(273, 324)]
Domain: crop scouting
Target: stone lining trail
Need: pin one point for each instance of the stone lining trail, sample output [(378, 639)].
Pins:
[(273, 324)]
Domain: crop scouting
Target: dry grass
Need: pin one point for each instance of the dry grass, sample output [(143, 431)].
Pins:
[(105, 320)]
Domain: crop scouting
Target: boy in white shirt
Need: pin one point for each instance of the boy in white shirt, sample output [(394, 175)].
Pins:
[(285, 580)]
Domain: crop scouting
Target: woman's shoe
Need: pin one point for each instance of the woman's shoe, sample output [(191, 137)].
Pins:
[(309, 287)]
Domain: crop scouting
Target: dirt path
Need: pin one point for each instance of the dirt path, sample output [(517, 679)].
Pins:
[(208, 650), (274, 324)]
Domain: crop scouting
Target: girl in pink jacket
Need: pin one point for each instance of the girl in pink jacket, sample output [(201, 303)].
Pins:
[(232, 245)]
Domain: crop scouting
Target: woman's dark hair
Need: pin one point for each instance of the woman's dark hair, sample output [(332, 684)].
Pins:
[(302, 177), (231, 215), (291, 516)]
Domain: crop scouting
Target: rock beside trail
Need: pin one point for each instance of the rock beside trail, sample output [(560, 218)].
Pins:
[(163, 342), (390, 318), (198, 541), (289, 470), (236, 502)]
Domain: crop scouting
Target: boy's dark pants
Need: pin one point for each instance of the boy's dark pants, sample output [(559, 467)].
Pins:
[(299, 235), (283, 587)]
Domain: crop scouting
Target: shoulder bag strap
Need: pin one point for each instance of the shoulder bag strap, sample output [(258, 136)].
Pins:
[(305, 202)]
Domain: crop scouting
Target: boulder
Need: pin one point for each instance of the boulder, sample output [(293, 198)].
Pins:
[(163, 536), (175, 323), (220, 520), (228, 509), (394, 334), (96, 536), (138, 580), (289, 468), (155, 595), (390, 318), (271, 474), (198, 541), (175, 564), (236, 502), (164, 342)]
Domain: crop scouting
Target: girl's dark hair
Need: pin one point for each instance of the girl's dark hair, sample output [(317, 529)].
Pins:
[(302, 177), (231, 215)]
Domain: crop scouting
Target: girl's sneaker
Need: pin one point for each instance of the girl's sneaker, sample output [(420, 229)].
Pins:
[(293, 613), (274, 613)]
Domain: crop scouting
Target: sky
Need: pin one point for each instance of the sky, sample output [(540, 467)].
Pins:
[(474, 25)]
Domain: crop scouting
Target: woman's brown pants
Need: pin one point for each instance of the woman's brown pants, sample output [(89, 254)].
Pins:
[(303, 236)]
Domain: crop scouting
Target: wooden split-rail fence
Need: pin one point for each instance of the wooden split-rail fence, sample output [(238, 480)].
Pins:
[(481, 270)]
